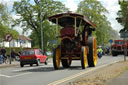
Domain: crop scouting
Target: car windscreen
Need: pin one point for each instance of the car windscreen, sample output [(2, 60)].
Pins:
[(119, 42), (30, 52)]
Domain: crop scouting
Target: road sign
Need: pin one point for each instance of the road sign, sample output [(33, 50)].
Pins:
[(110, 41), (20, 41), (8, 37), (124, 34)]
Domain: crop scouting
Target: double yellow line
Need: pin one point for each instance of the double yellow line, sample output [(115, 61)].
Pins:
[(79, 74), (76, 75)]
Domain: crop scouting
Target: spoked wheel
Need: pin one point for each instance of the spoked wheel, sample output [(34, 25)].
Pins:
[(66, 63), (84, 57), (92, 55), (56, 58)]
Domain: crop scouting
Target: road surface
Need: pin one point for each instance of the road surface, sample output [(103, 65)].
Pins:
[(46, 75)]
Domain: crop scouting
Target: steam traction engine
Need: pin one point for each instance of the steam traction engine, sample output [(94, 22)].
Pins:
[(77, 42)]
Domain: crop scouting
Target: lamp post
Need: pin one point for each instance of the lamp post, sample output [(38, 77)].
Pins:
[(41, 27)]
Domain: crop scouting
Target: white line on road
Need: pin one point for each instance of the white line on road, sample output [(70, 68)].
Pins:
[(77, 75), (5, 76), (22, 69), (20, 74), (29, 68), (15, 75)]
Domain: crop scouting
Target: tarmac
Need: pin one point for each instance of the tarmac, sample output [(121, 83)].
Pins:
[(122, 79)]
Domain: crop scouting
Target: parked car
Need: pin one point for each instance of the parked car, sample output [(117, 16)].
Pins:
[(32, 56)]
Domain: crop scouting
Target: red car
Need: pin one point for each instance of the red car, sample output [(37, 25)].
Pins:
[(32, 56)]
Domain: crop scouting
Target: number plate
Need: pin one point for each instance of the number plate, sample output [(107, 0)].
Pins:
[(27, 58)]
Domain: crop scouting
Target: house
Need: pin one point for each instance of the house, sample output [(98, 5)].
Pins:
[(23, 41)]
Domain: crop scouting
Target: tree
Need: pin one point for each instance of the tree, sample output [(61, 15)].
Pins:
[(123, 14), (5, 21), (30, 16), (5, 17), (95, 12)]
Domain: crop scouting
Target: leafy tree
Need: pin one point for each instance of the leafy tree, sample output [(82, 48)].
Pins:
[(5, 17), (123, 14), (5, 21), (95, 12), (30, 17)]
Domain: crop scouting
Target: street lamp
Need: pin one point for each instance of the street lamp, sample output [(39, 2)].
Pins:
[(41, 27)]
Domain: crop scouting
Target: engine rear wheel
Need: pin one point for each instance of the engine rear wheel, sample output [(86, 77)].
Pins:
[(66, 63), (92, 55), (56, 58), (84, 57)]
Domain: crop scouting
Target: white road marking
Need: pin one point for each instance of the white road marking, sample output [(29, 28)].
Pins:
[(5, 76), (22, 69), (79, 74), (15, 75), (29, 68), (20, 74)]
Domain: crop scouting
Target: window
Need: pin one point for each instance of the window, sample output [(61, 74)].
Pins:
[(30, 52), (119, 42), (38, 52)]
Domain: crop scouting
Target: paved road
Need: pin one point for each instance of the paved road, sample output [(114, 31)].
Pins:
[(45, 74)]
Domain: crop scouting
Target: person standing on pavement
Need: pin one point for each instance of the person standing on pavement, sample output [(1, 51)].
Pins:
[(3, 53), (14, 54)]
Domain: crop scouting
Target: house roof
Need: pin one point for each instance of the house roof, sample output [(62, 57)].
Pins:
[(22, 37)]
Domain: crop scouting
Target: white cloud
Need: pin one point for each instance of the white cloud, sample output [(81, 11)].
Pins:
[(71, 5), (17, 28), (8, 2), (112, 6)]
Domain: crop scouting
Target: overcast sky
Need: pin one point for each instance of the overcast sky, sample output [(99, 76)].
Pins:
[(111, 5)]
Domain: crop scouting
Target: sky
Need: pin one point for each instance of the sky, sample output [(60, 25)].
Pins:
[(111, 5)]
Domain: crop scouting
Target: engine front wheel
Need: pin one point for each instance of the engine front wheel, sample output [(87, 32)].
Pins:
[(56, 58), (84, 57)]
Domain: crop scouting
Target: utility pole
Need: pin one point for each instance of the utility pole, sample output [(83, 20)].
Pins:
[(41, 26), (125, 48)]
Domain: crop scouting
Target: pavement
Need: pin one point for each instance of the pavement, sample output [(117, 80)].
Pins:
[(120, 80), (13, 63)]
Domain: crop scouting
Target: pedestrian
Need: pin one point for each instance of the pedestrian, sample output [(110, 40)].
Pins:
[(14, 54), (3, 53), (1, 59)]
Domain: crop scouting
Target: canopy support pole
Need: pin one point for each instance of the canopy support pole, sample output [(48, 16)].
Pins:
[(75, 26), (56, 26)]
